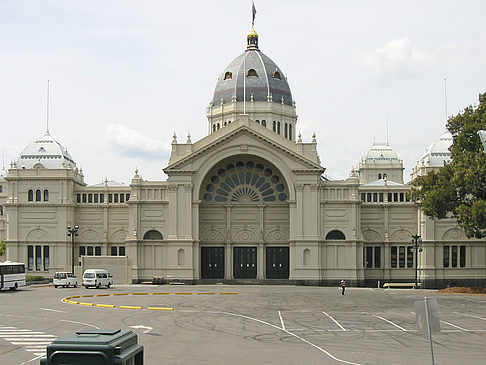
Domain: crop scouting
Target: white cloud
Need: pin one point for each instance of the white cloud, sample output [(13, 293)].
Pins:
[(398, 58), (132, 143)]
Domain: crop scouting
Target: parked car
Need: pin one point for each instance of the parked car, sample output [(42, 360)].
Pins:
[(97, 278), (64, 279)]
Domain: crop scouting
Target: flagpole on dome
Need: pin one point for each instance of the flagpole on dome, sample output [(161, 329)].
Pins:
[(253, 13), (47, 121)]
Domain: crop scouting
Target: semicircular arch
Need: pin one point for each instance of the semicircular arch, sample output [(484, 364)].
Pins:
[(401, 235), (219, 156), (37, 234)]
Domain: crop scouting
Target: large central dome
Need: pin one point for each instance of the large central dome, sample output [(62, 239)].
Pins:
[(252, 74), (253, 85)]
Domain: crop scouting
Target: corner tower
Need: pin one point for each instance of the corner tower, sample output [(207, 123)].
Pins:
[(253, 84)]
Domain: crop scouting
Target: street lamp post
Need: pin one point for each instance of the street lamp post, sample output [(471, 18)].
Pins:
[(73, 232), (416, 239)]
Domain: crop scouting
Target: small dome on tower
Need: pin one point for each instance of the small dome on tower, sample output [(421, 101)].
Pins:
[(438, 152), (382, 153), (47, 152)]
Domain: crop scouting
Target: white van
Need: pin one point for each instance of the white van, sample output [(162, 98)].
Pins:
[(64, 279), (97, 278)]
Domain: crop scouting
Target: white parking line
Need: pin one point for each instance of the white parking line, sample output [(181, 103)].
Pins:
[(394, 324), (337, 323), (294, 335), (470, 315), (281, 320), (453, 325)]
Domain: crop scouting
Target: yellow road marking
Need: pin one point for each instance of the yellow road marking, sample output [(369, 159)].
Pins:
[(139, 293), (160, 293), (183, 293), (129, 307), (87, 296), (105, 305), (206, 293), (89, 304), (228, 293), (102, 295), (120, 294), (160, 309)]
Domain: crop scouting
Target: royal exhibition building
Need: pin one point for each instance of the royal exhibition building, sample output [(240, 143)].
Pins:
[(247, 204)]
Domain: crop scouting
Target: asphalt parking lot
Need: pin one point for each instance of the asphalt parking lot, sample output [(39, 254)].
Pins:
[(248, 324)]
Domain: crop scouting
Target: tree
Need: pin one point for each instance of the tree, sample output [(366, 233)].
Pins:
[(2, 248), (459, 188)]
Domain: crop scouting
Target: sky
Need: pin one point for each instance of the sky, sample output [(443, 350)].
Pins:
[(126, 75)]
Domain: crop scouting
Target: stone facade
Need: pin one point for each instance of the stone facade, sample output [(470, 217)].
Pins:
[(249, 203)]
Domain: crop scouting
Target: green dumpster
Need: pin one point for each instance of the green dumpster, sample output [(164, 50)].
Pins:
[(95, 347)]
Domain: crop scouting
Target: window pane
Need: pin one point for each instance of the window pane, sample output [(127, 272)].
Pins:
[(90, 198), (401, 256), (368, 197), (82, 251), (462, 256), (410, 256), (121, 251), (113, 251), (46, 258), (30, 257), (375, 197), (363, 197), (454, 256), (381, 197), (96, 198), (128, 197), (402, 197), (38, 257), (31, 195), (377, 256), (102, 198), (78, 198), (46, 195), (110, 198), (98, 250), (393, 256), (116, 197), (122, 198), (395, 197), (37, 195), (445, 256), (90, 250), (389, 197), (369, 257), (84, 198)]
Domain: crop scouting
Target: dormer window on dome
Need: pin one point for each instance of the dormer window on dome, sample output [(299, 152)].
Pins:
[(228, 75), (252, 72), (276, 75), (42, 149)]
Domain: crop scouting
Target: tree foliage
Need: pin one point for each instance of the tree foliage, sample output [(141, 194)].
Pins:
[(459, 188), (2, 248)]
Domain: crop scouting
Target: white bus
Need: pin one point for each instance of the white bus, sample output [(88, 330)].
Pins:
[(12, 275)]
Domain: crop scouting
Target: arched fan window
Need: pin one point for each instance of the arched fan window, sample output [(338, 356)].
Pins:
[(152, 235), (335, 235)]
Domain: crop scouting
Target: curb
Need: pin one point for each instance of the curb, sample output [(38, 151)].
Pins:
[(69, 301)]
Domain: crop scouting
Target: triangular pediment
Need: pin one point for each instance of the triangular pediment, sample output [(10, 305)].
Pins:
[(246, 134)]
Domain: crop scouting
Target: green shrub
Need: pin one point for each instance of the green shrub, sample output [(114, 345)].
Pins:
[(34, 278)]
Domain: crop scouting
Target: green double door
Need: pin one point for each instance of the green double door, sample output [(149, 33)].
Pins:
[(277, 263), (245, 262)]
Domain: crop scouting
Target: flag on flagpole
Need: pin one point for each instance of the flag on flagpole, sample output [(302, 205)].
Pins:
[(253, 13)]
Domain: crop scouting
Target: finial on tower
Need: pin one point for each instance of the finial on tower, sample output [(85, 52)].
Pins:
[(252, 36)]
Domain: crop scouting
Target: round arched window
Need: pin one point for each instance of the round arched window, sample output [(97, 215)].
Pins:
[(244, 181)]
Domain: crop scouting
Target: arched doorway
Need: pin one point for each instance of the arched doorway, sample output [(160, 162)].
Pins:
[(244, 220)]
